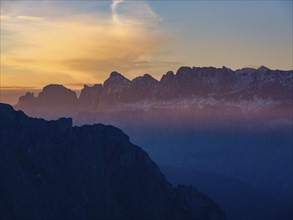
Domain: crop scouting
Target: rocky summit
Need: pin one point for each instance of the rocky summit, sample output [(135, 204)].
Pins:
[(51, 170)]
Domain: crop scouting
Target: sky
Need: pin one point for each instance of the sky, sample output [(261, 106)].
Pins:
[(82, 42)]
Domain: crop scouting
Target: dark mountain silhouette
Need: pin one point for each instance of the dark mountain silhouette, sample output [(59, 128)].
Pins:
[(235, 124), (247, 89), (51, 170)]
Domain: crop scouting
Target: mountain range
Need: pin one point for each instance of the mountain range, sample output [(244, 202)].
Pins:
[(247, 89), (235, 127), (51, 170)]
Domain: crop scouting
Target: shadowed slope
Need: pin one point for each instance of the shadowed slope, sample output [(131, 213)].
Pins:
[(52, 170)]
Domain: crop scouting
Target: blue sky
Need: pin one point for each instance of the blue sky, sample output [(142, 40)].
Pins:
[(231, 33)]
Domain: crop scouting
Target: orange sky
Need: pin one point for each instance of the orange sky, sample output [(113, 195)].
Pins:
[(75, 42)]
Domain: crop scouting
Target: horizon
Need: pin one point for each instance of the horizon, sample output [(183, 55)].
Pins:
[(13, 93), (80, 42)]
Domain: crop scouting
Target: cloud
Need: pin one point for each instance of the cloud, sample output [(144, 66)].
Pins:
[(29, 18), (16, 88), (114, 6), (72, 47), (133, 12)]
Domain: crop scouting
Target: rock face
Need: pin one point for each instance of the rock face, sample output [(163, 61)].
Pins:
[(114, 88), (51, 170), (52, 100), (90, 97), (143, 87), (247, 89)]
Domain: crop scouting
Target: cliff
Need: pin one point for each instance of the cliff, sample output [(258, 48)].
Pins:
[(51, 170)]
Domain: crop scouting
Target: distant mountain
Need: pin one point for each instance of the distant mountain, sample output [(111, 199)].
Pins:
[(51, 170), (247, 89), (255, 204)]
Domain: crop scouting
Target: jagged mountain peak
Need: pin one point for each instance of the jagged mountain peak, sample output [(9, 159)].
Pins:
[(168, 76), (115, 74), (114, 85), (146, 77), (226, 68), (85, 87), (57, 91), (55, 87), (262, 69), (29, 95), (184, 69), (170, 73), (205, 68), (246, 70), (116, 77)]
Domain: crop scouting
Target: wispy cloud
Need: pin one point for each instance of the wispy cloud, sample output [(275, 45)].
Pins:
[(17, 88), (114, 6), (29, 18), (133, 12)]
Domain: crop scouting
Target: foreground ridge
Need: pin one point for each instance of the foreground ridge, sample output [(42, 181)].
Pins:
[(50, 169)]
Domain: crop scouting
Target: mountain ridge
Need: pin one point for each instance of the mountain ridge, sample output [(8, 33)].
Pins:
[(259, 88), (54, 170)]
